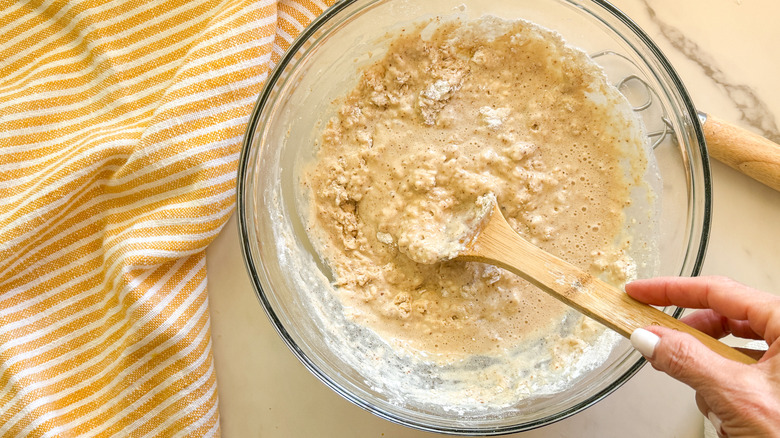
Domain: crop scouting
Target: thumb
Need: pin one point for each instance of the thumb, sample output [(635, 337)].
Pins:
[(683, 357)]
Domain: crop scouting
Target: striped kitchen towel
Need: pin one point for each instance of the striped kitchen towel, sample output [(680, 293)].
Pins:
[(120, 128)]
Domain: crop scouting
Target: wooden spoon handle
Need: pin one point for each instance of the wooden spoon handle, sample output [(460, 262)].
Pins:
[(500, 245), (751, 154)]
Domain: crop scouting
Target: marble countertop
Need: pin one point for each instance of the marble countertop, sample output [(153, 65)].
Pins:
[(725, 51)]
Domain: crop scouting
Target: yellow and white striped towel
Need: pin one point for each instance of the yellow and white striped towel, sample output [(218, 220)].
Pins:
[(120, 129)]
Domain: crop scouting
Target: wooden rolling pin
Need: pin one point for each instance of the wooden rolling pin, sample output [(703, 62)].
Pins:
[(751, 154)]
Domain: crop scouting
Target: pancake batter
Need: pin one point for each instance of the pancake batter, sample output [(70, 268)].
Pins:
[(439, 121)]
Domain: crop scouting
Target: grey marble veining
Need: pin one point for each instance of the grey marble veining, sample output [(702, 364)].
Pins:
[(753, 110)]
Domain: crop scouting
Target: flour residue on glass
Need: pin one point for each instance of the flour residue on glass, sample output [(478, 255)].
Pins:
[(444, 118)]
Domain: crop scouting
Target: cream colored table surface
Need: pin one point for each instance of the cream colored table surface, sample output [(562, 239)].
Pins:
[(726, 53)]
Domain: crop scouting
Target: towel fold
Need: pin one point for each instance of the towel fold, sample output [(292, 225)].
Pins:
[(120, 127)]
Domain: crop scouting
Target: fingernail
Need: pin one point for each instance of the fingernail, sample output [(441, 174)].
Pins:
[(644, 341), (716, 424)]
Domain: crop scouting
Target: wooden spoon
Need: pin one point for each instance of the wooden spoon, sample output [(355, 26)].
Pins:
[(496, 243)]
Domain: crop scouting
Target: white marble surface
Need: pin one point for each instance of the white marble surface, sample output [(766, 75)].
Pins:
[(725, 51)]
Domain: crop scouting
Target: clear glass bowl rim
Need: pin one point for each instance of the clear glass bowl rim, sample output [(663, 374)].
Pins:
[(244, 234)]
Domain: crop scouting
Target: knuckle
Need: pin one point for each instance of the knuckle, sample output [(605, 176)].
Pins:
[(772, 329), (726, 283), (723, 279), (680, 360)]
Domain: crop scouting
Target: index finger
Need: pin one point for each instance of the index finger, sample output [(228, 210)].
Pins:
[(723, 295)]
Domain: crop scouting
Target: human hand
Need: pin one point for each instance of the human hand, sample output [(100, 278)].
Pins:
[(741, 400)]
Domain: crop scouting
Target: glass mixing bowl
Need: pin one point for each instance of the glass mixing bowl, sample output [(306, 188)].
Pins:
[(321, 65)]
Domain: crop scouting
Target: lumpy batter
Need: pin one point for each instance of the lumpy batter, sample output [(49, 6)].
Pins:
[(439, 121)]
